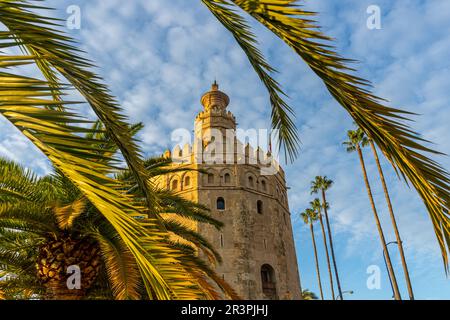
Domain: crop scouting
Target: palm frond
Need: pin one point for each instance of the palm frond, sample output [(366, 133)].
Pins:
[(54, 52), (19, 184), (27, 216), (23, 287), (282, 113), (54, 132), (182, 231), (171, 203), (202, 272), (400, 145)]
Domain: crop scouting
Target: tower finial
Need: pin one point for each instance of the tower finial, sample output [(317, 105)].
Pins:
[(215, 85)]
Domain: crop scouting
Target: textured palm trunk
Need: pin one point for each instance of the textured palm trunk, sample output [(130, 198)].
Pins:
[(380, 229), (328, 256), (56, 290), (317, 260), (330, 238), (55, 258), (394, 223)]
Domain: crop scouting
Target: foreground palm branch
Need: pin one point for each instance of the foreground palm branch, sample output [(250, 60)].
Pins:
[(55, 55), (55, 132), (403, 147), (41, 236), (35, 107)]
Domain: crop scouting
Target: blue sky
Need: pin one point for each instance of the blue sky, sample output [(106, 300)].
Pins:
[(159, 56)]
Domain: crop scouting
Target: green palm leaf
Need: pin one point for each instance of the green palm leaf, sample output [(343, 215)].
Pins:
[(282, 113), (123, 272), (401, 146), (54, 133), (54, 53)]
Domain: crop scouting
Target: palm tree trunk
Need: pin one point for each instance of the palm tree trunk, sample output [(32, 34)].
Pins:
[(330, 238), (394, 223), (380, 229), (328, 256), (55, 290), (317, 260)]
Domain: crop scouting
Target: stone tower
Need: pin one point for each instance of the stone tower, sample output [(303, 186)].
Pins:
[(256, 243)]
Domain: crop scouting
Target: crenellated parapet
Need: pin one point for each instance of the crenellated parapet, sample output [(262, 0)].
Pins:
[(212, 153)]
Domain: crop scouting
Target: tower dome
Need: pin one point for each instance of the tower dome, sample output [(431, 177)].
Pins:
[(215, 100)]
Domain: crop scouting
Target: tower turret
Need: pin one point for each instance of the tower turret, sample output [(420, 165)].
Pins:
[(215, 114)]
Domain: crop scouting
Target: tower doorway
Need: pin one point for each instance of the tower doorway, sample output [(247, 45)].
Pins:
[(268, 282)]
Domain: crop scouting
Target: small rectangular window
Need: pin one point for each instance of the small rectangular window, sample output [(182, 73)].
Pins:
[(220, 203)]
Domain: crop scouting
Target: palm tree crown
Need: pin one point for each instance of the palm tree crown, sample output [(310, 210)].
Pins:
[(356, 138), (309, 216), (320, 183), (317, 206)]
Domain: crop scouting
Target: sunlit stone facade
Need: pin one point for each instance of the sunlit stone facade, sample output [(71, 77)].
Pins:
[(256, 243)]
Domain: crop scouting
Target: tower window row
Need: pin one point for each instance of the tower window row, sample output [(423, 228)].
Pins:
[(220, 205)]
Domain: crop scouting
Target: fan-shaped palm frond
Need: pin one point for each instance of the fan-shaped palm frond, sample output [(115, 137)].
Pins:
[(355, 138), (309, 216), (316, 205)]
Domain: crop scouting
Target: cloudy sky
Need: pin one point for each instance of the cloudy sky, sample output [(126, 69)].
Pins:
[(159, 56)]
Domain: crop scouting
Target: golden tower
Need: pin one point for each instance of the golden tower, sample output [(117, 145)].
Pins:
[(256, 243)]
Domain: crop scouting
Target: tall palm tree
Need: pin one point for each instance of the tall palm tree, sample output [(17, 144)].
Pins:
[(394, 222), (310, 217), (356, 141), (316, 205), (322, 184), (37, 109)]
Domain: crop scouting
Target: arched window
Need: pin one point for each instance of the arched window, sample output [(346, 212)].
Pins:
[(227, 178), (259, 207), (210, 178), (251, 182), (263, 185), (220, 203), (187, 181), (268, 282), (175, 184)]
